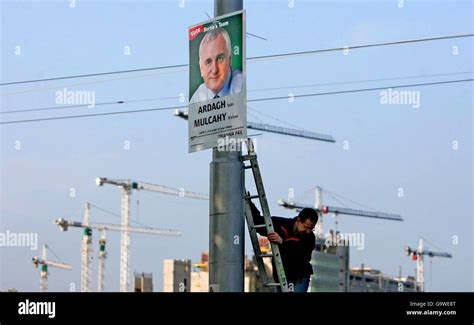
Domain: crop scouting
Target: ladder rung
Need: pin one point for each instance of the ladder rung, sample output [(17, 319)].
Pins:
[(259, 226), (273, 284), (250, 197), (248, 166), (248, 157), (265, 255)]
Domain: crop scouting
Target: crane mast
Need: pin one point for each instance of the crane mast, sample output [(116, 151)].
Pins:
[(125, 241), (127, 186), (418, 256), (102, 258), (45, 263), (86, 274), (86, 253), (319, 231)]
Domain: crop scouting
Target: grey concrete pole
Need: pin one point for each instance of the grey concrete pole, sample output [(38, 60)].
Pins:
[(226, 207)]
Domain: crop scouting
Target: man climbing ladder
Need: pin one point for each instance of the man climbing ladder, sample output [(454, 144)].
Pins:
[(295, 239), (292, 240)]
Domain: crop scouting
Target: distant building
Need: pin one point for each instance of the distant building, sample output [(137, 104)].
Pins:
[(330, 267), (200, 274), (177, 275), (143, 282), (200, 281), (365, 279), (331, 272)]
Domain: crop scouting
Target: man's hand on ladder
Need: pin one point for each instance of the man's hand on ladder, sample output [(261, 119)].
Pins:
[(274, 237)]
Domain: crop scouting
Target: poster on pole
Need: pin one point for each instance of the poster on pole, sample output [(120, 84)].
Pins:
[(217, 109)]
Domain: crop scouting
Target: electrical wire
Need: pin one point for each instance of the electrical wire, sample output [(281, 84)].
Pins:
[(255, 58), (254, 90), (360, 90), (346, 48), (93, 74), (250, 100), (37, 89), (90, 115), (84, 105), (360, 81)]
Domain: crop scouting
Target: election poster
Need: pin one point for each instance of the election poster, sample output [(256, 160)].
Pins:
[(217, 108)]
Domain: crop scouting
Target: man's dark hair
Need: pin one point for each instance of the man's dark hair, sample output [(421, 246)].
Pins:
[(308, 213)]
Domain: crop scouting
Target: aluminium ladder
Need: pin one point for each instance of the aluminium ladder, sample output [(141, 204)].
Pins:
[(268, 225)]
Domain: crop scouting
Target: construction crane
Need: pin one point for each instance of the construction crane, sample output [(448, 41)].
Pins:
[(86, 253), (418, 256), (45, 263), (274, 129), (102, 258), (86, 278), (324, 209), (127, 187)]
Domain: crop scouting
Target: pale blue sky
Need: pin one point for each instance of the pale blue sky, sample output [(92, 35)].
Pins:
[(390, 146)]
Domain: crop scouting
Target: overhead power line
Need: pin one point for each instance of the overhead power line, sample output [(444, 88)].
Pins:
[(360, 81), (93, 74), (90, 115), (360, 90), (90, 82), (84, 105), (346, 48), (56, 107), (250, 100), (255, 58)]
